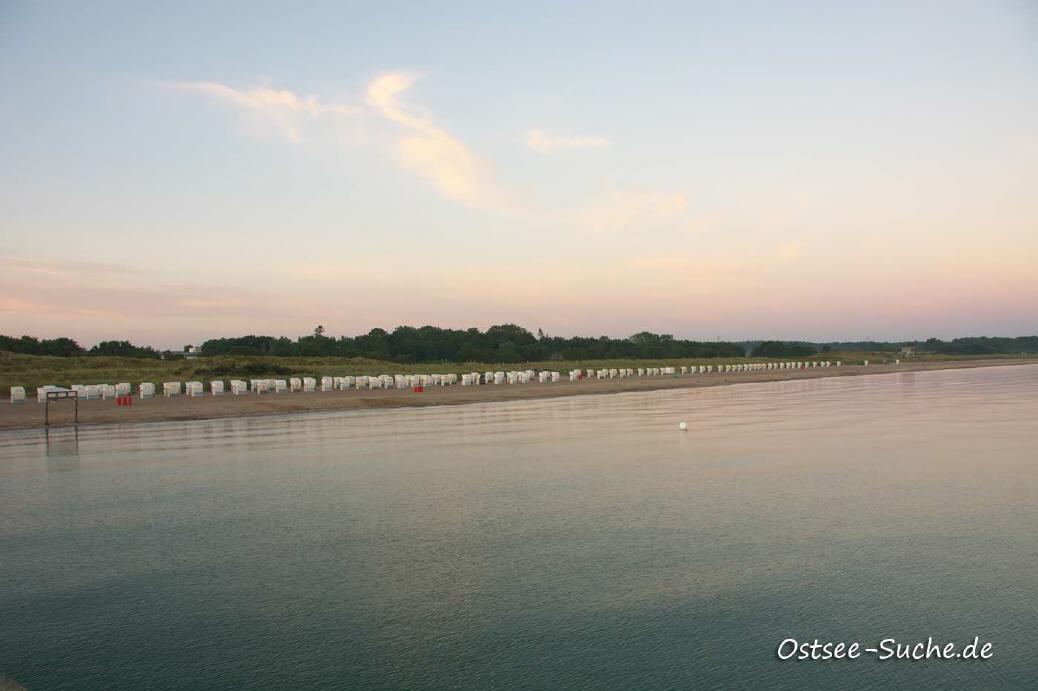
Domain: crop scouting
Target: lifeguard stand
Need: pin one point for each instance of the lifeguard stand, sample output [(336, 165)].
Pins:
[(59, 394)]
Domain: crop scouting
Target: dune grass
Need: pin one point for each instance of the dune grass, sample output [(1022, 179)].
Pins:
[(32, 371)]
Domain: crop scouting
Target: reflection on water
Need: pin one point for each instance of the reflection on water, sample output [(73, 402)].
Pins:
[(62, 449), (577, 542)]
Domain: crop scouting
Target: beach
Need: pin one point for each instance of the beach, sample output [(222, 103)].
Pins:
[(30, 414)]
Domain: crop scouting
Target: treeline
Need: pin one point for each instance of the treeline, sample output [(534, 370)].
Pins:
[(981, 345), (511, 343), (781, 349), (502, 343), (974, 345), (66, 347)]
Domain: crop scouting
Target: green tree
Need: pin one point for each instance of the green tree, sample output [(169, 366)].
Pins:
[(780, 349)]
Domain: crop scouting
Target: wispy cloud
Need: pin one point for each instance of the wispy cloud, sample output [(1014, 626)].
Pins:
[(432, 152), (544, 143), (10, 304), (782, 255), (631, 209), (64, 268), (213, 303), (421, 147), (283, 109), (85, 290)]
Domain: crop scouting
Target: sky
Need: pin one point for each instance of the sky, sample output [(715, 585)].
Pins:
[(173, 172)]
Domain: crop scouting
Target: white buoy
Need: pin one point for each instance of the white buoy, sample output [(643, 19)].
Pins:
[(683, 426)]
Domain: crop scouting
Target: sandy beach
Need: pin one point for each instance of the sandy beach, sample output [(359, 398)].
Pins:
[(30, 414)]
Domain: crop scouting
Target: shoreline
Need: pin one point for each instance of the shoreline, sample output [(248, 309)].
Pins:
[(29, 415)]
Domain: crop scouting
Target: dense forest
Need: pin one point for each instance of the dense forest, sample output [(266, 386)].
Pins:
[(66, 347), (502, 343), (780, 349), (510, 343)]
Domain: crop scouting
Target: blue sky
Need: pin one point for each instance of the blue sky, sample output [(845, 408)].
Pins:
[(828, 170)]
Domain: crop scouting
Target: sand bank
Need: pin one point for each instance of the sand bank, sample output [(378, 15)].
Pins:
[(30, 414)]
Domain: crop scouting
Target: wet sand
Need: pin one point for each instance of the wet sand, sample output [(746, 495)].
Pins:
[(30, 414)]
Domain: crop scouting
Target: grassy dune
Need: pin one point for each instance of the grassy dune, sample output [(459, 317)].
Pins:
[(31, 371)]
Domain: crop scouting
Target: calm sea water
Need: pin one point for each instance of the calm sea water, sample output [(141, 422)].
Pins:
[(571, 543)]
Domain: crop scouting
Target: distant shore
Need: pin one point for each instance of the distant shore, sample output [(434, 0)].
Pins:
[(30, 414)]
